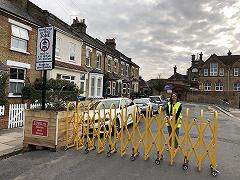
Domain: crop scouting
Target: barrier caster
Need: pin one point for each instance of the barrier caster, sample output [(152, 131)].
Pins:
[(185, 167), (65, 149), (138, 153), (157, 161), (86, 151), (132, 158), (109, 154), (214, 173)]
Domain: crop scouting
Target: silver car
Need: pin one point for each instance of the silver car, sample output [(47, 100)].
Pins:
[(143, 103)]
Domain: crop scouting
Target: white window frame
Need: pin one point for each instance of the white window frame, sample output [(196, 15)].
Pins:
[(124, 88), (92, 86), (219, 86), (127, 70), (88, 57), (11, 94), (122, 68), (114, 88), (236, 87), (109, 64), (213, 69), (109, 88), (19, 38), (66, 77), (128, 88), (115, 65), (84, 84), (99, 87), (57, 48), (72, 51), (99, 57), (235, 71), (207, 86), (221, 71), (205, 72)]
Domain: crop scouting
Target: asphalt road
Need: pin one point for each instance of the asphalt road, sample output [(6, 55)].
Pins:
[(73, 164)]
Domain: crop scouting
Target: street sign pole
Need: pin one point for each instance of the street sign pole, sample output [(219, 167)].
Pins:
[(44, 89)]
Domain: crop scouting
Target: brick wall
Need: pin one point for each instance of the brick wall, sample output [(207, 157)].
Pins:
[(7, 54), (4, 119), (214, 97)]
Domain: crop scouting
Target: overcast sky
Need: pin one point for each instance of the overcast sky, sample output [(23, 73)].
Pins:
[(158, 34)]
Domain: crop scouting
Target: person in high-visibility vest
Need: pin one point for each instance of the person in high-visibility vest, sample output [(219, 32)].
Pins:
[(172, 105)]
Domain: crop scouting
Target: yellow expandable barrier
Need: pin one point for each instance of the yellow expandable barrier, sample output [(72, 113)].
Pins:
[(96, 127)]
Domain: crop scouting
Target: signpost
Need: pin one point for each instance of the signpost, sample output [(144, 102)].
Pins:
[(45, 59)]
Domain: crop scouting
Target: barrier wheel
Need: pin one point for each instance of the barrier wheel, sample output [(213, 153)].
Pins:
[(66, 148), (109, 154), (157, 161), (132, 158), (138, 153), (94, 147), (214, 173), (185, 167), (211, 167), (86, 151)]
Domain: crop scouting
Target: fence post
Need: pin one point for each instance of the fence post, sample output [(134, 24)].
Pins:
[(214, 163), (200, 141)]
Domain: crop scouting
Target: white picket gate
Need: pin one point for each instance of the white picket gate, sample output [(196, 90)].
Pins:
[(35, 106), (2, 110), (16, 115)]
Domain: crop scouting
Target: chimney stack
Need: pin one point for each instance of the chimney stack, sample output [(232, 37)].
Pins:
[(200, 56), (175, 69), (79, 26), (111, 43), (229, 53), (193, 57)]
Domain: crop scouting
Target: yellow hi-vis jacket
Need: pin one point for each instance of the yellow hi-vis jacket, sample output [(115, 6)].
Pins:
[(178, 110)]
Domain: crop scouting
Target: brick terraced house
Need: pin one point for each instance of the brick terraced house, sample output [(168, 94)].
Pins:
[(220, 73)]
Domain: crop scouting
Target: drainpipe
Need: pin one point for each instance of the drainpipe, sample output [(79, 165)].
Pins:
[(228, 79)]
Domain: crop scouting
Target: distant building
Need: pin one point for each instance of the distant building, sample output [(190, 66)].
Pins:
[(220, 73), (193, 71), (143, 87), (179, 83)]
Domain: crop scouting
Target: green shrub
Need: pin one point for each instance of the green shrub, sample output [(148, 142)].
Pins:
[(3, 86)]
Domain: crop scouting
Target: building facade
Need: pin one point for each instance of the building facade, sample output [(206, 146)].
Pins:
[(220, 73), (18, 34)]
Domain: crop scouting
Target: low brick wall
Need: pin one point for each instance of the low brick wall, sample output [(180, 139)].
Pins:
[(214, 97), (4, 118)]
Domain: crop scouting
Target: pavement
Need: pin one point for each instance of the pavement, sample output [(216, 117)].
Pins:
[(73, 164), (11, 141)]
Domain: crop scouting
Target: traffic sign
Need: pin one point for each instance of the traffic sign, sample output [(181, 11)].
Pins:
[(45, 48)]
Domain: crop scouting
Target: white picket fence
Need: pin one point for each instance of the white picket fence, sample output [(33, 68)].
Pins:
[(35, 106), (16, 115), (2, 110)]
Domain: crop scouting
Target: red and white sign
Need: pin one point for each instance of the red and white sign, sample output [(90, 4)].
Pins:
[(45, 48), (40, 128)]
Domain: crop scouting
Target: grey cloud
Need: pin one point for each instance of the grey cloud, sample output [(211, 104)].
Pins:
[(148, 32)]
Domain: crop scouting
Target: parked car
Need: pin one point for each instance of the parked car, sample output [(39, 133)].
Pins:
[(120, 103), (160, 100), (143, 103)]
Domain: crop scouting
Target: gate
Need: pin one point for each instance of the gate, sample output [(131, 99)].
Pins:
[(197, 142), (16, 115)]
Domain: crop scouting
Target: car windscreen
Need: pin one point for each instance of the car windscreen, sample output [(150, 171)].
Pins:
[(140, 101), (155, 98), (106, 104)]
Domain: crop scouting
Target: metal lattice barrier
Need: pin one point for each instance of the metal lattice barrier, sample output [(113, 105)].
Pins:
[(107, 131)]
